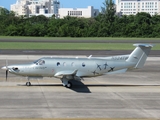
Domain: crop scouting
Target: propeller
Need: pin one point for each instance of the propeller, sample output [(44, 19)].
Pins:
[(6, 69), (6, 74)]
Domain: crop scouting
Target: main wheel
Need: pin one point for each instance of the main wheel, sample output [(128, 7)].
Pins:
[(28, 84), (69, 85)]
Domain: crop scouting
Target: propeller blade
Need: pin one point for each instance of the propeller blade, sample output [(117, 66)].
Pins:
[(7, 64), (6, 74), (7, 69)]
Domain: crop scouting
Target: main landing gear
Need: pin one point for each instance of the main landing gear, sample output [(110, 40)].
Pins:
[(66, 83), (69, 85)]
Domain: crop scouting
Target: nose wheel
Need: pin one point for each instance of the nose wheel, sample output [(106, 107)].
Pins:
[(28, 83)]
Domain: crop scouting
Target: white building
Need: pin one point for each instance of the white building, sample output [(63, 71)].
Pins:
[(78, 12), (20, 7), (128, 7), (36, 7)]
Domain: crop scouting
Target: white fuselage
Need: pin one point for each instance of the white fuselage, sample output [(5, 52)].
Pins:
[(48, 67)]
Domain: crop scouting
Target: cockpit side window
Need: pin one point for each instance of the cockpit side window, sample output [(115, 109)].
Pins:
[(35, 61), (39, 62)]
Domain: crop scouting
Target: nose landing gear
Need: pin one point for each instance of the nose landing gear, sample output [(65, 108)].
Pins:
[(28, 83)]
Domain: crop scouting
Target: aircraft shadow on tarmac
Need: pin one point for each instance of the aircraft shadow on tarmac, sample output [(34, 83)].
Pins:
[(80, 87), (77, 86)]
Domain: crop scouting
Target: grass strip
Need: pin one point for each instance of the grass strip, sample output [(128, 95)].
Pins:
[(69, 46)]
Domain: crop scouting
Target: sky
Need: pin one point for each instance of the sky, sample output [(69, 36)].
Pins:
[(64, 3)]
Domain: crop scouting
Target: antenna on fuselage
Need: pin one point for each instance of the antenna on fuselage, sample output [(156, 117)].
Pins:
[(89, 56)]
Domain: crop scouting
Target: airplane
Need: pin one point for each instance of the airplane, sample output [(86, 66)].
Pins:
[(68, 69)]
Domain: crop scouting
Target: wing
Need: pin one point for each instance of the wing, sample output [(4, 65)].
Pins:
[(66, 73)]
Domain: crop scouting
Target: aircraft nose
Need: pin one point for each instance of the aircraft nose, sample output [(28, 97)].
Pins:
[(4, 68)]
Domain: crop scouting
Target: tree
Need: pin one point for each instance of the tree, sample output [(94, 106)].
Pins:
[(108, 11), (3, 11), (12, 13)]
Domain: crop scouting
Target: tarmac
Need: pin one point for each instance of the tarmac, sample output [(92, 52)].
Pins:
[(133, 95)]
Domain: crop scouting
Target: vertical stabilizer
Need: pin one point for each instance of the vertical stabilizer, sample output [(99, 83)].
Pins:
[(140, 54)]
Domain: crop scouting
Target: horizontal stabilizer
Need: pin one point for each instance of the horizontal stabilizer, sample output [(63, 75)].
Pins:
[(143, 45)]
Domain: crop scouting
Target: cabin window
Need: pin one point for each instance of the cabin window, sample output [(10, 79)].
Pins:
[(83, 65), (64, 64), (58, 64)]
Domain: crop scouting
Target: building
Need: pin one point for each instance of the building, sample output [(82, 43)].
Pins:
[(78, 12), (36, 7), (20, 7), (132, 7)]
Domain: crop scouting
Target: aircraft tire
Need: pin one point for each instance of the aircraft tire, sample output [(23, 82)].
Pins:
[(69, 85), (28, 83)]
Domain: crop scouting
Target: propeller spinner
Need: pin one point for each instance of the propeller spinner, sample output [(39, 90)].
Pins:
[(5, 68)]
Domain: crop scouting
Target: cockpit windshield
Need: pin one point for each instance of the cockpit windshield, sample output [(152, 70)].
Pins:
[(39, 62)]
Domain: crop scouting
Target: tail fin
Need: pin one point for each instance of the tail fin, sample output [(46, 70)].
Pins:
[(140, 54)]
